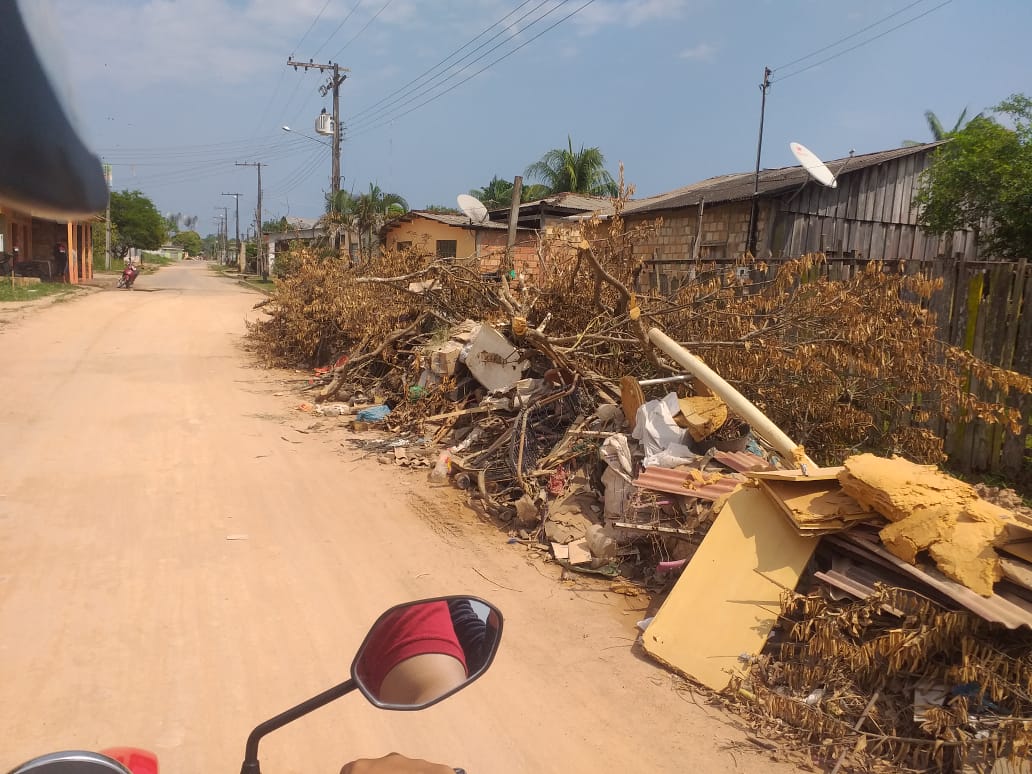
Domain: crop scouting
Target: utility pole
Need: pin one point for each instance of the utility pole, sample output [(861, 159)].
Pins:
[(224, 231), (236, 196), (107, 222), (263, 269), (755, 211), (338, 75)]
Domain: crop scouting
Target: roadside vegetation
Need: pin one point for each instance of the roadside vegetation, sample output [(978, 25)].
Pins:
[(841, 365), (9, 292)]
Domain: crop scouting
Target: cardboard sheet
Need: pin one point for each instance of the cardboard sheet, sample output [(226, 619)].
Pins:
[(728, 597), (815, 507)]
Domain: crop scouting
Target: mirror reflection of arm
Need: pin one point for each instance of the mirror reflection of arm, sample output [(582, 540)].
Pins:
[(421, 679), (423, 635)]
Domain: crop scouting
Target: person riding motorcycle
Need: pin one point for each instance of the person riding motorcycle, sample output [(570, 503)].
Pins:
[(46, 168)]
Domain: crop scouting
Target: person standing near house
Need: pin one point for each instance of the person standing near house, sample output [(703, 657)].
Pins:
[(59, 268)]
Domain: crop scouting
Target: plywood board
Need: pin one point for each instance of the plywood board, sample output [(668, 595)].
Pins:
[(728, 597), (1021, 550), (811, 474), (816, 504)]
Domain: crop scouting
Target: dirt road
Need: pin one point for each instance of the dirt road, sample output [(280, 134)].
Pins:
[(178, 562)]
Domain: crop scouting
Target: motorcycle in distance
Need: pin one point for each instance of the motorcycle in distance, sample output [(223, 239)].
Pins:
[(129, 275), (415, 655)]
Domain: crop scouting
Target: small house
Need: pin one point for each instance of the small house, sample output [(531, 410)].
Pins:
[(868, 216), (444, 235), (53, 250)]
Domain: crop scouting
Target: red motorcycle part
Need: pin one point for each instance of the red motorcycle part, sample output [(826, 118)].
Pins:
[(136, 760)]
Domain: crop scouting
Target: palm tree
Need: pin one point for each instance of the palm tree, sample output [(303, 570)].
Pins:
[(374, 208), (584, 171), (497, 194), (340, 214), (936, 128), (494, 195)]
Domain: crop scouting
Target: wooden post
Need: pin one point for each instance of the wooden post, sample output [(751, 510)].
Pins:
[(73, 255), (87, 233), (698, 231), (514, 215)]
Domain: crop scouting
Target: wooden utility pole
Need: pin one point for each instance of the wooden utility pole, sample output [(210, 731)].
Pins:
[(754, 213), (224, 231), (236, 196), (260, 259), (338, 75), (514, 216)]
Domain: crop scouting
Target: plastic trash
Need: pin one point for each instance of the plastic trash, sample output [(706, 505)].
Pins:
[(815, 697), (600, 544), (439, 474), (373, 413)]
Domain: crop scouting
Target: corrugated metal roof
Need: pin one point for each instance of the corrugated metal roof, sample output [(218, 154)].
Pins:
[(742, 461), (739, 186), (679, 482), (1008, 609), (579, 205), (572, 201)]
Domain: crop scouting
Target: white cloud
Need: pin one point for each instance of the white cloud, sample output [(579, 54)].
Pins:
[(182, 42), (631, 13), (703, 52)]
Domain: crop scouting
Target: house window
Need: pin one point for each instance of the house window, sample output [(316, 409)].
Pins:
[(404, 245), (446, 248)]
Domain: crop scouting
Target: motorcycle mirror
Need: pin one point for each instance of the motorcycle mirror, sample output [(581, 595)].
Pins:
[(71, 762), (419, 653)]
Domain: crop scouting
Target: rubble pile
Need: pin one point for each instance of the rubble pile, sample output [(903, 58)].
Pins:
[(819, 600), (878, 615), (892, 682)]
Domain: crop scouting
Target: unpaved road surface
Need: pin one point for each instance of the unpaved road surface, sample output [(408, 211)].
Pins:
[(178, 563)]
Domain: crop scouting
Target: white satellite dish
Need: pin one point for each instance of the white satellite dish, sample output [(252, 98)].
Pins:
[(473, 207), (813, 165)]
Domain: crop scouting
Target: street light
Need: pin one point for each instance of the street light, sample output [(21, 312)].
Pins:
[(306, 136)]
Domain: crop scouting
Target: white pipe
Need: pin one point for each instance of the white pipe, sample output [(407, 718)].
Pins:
[(735, 401)]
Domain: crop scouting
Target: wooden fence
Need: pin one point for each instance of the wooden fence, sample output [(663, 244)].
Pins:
[(984, 307)]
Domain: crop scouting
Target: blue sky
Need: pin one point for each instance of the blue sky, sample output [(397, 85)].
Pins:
[(174, 92)]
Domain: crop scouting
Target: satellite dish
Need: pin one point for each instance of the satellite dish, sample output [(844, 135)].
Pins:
[(473, 207), (814, 167)]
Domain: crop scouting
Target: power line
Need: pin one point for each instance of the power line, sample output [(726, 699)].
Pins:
[(202, 169), (863, 42), (427, 88), (312, 25), (350, 13), (847, 37), (375, 16), (300, 175), (370, 127), (423, 75), (202, 146)]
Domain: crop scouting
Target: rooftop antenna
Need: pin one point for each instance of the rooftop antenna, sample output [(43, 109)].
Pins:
[(473, 207)]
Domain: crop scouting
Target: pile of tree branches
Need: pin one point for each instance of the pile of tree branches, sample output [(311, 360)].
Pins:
[(840, 365)]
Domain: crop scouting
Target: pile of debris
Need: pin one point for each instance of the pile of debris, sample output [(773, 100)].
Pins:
[(820, 601), (878, 612)]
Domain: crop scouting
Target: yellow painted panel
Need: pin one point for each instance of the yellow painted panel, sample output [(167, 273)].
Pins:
[(728, 597)]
